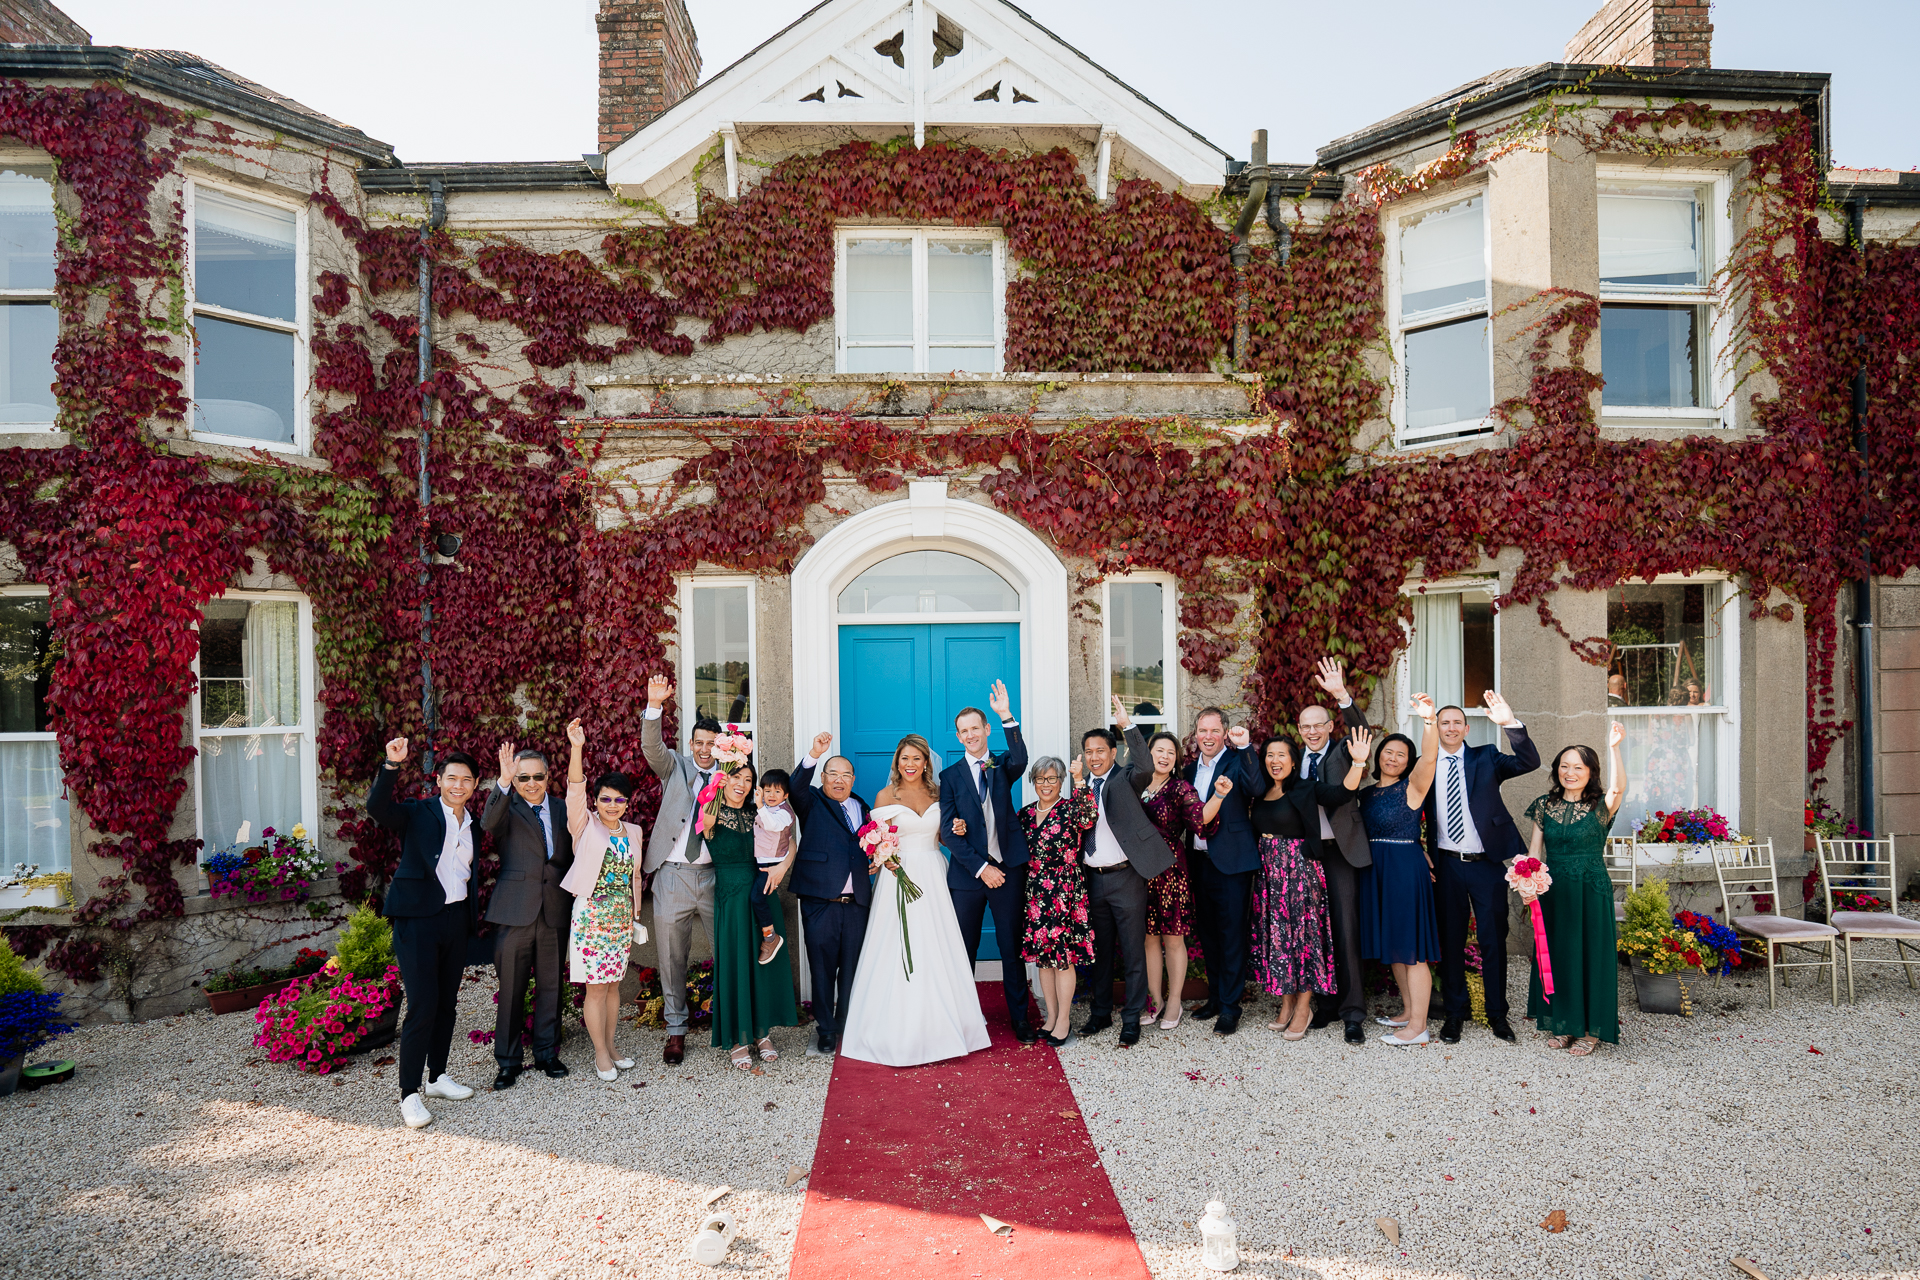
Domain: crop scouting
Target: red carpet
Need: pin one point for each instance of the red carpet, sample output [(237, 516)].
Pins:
[(910, 1158)]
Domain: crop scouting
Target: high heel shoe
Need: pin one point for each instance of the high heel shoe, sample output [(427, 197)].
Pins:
[(1291, 1034)]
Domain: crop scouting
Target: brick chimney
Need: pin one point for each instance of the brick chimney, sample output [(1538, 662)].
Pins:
[(1670, 34), (37, 22), (649, 60)]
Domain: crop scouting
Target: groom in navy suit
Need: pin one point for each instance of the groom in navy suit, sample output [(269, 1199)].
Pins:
[(831, 880), (987, 847), (1470, 838)]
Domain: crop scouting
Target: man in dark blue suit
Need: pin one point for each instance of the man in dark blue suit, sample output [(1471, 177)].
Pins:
[(1471, 838), (433, 906), (831, 880), (1222, 866), (987, 847)]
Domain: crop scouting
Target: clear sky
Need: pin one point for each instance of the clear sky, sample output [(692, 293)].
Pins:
[(497, 80)]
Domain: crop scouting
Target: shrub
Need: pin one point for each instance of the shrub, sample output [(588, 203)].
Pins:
[(365, 948), (29, 1013), (15, 976)]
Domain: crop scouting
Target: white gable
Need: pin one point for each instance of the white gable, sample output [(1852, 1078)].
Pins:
[(911, 65)]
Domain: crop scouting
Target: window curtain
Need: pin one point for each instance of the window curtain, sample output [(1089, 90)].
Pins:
[(33, 807), (256, 778), (1437, 658), (1443, 258), (1673, 762), (272, 656)]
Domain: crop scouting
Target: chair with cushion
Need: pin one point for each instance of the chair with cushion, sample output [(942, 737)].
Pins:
[(1621, 870), (1866, 867), (1748, 871)]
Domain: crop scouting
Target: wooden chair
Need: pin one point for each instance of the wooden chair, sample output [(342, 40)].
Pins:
[(1748, 871), (1866, 866), (1622, 871)]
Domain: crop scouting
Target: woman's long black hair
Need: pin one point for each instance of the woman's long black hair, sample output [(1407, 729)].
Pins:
[(1413, 756), (1293, 753), (1594, 792)]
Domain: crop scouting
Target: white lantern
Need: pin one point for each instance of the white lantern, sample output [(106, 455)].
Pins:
[(709, 1248), (1218, 1249)]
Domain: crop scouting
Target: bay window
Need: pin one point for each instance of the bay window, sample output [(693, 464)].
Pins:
[(1438, 269), (253, 711), (1657, 314), (716, 645), (919, 300), (1669, 683), (1142, 647), (34, 823), (249, 318), (29, 324), (1453, 653)]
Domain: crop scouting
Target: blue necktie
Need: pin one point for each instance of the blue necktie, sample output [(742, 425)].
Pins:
[(980, 775), (1313, 766), (1456, 802)]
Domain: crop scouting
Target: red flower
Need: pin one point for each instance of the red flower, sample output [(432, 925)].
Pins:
[(1693, 958)]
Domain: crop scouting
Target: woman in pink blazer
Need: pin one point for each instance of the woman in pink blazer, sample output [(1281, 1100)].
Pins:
[(605, 884)]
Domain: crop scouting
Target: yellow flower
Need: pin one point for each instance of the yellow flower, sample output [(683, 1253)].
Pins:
[(299, 831)]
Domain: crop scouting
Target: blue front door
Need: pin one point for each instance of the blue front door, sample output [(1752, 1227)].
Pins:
[(896, 680)]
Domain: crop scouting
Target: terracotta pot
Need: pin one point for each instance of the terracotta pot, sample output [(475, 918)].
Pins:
[(245, 997), (1661, 992), (1812, 842)]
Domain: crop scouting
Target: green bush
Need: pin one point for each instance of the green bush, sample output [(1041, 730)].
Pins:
[(15, 977), (365, 948)]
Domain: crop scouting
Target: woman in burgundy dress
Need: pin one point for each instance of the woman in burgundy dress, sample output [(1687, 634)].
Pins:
[(1059, 932), (1177, 812)]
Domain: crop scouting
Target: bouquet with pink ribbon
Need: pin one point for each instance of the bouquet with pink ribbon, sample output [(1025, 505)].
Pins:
[(731, 749), (880, 841), (1529, 879)]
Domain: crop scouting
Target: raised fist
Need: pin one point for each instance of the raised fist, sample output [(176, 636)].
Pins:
[(1223, 786), (822, 743), (575, 734), (1239, 736), (397, 750)]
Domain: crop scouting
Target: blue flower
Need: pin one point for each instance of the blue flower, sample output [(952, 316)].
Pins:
[(28, 1019)]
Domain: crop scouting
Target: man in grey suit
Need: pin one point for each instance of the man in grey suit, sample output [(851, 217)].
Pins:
[(1122, 852), (677, 857), (529, 910)]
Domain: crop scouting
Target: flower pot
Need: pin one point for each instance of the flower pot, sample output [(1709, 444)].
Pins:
[(1672, 855), (10, 1075), (1813, 842), (1661, 992), (245, 997), (380, 1032), (1195, 989)]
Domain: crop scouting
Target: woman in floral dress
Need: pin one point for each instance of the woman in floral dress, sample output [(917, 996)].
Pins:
[(606, 898), (1059, 932), (1176, 812), (1292, 952)]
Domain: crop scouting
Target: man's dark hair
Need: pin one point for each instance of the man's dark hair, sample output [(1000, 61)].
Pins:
[(615, 781), (705, 722), (1450, 707), (528, 753), (460, 757), (1210, 711), (777, 778), (1105, 735), (970, 711)]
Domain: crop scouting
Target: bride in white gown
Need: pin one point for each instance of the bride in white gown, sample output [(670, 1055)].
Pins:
[(894, 1019)]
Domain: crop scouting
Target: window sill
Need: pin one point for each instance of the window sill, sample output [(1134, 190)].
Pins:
[(204, 903), (32, 435), (1622, 425), (1465, 433), (228, 449)]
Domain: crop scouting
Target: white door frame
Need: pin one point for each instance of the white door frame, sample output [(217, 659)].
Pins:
[(929, 520)]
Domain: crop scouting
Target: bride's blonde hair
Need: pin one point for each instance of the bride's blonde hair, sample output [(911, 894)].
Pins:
[(925, 749)]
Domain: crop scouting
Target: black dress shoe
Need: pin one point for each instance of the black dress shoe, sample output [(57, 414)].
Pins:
[(1059, 1042), (1130, 1034), (554, 1068), (1450, 1031), (506, 1077), (1024, 1033), (1228, 1024), (1096, 1025), (824, 1041), (1355, 1035), (1501, 1031), (1322, 1020), (1211, 1009)]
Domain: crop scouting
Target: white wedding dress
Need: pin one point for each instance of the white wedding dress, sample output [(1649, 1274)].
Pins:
[(900, 1021)]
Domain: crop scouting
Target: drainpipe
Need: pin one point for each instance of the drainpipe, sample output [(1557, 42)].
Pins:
[(436, 216), (1282, 233), (1863, 586), (1242, 251)]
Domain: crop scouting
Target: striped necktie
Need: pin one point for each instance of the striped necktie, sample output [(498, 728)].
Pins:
[(1456, 802)]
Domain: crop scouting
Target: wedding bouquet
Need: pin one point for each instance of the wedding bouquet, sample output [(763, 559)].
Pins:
[(731, 749), (881, 843), (1529, 879)]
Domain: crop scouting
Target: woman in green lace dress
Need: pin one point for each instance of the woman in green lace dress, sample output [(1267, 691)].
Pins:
[(1570, 835), (749, 998)]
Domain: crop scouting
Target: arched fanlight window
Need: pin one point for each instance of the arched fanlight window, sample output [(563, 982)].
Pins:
[(929, 582)]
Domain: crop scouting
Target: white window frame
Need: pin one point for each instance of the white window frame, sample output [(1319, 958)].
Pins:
[(1478, 718), (10, 159), (919, 237), (1169, 640), (309, 769), (300, 328), (31, 591), (1714, 190), (1454, 432), (688, 585)]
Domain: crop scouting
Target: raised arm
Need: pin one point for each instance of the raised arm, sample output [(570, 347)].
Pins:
[(803, 793), (1210, 812), (1013, 762), (1332, 792), (381, 806), (1616, 771), (494, 811), (659, 756), (1421, 780), (577, 812), (1526, 756)]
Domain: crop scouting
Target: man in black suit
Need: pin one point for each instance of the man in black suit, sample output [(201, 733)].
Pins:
[(1122, 852), (987, 847), (531, 913), (1222, 866), (432, 905), (1348, 863), (831, 880), (1471, 838)]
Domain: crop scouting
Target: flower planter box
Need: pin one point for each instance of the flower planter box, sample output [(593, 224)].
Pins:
[(1661, 992), (1672, 855), (46, 895), (380, 1032), (246, 997)]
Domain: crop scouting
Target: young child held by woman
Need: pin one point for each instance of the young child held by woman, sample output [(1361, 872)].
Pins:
[(773, 849)]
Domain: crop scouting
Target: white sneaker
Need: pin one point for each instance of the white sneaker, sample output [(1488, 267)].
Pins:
[(623, 1064), (447, 1087), (609, 1074), (415, 1112)]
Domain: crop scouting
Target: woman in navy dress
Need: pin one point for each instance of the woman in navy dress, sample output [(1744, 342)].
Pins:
[(1397, 925)]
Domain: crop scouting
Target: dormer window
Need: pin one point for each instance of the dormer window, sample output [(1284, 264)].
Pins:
[(919, 300)]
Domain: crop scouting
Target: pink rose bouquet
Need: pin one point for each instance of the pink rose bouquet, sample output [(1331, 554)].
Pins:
[(1529, 878), (880, 841)]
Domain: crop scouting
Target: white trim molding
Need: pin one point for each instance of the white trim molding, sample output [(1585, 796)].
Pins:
[(969, 529)]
